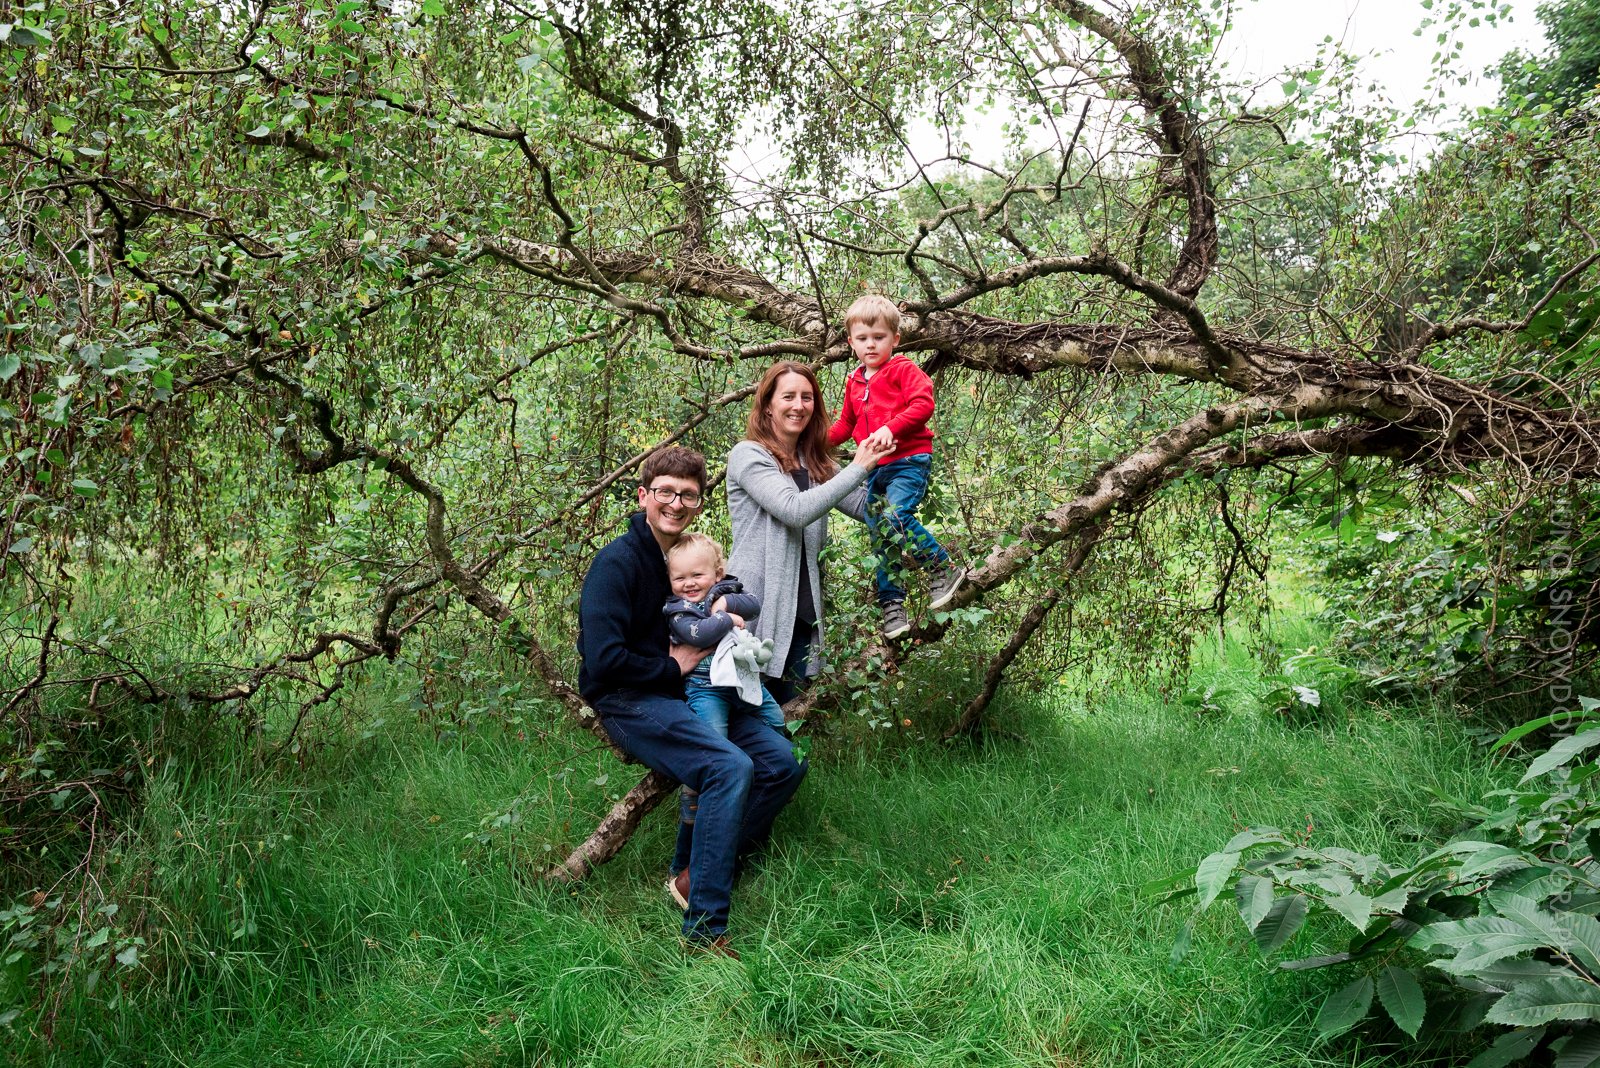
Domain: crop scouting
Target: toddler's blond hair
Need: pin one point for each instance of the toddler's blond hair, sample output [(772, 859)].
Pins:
[(696, 540), (873, 309)]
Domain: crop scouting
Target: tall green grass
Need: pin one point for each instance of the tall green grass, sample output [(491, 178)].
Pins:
[(924, 905)]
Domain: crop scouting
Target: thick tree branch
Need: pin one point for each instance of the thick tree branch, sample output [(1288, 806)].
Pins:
[(1180, 137), (615, 829)]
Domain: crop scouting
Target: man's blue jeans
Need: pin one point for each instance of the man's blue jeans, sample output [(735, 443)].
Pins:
[(716, 706), (743, 780), (893, 493)]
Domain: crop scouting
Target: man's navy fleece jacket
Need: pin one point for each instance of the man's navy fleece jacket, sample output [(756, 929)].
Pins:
[(622, 638)]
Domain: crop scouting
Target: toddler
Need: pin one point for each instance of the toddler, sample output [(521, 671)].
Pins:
[(707, 604)]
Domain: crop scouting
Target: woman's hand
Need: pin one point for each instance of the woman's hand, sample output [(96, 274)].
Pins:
[(873, 450)]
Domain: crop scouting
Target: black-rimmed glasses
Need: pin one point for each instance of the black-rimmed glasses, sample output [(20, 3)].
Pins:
[(690, 498)]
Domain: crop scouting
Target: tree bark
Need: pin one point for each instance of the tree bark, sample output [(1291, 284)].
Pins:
[(615, 829)]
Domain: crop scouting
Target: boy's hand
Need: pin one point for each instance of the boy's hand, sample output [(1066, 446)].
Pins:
[(688, 657), (881, 437), (738, 620), (871, 452)]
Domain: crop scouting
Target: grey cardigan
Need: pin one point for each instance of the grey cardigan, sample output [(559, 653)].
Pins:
[(773, 522)]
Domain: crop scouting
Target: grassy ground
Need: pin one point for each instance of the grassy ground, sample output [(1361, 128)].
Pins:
[(926, 905)]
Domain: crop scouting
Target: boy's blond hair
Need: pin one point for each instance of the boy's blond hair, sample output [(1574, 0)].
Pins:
[(696, 540), (873, 309)]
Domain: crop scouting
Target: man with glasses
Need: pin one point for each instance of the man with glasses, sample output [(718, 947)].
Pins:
[(633, 677)]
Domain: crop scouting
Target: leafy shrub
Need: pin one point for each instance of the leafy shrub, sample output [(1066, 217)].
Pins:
[(1428, 607), (1494, 929)]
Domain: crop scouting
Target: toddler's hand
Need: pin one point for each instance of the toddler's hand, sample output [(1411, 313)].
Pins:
[(882, 438), (871, 452), (738, 620)]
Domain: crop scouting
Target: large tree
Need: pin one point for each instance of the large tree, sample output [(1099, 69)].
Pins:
[(363, 310)]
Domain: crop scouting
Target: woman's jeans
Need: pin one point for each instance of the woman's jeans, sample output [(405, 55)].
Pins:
[(792, 679), (893, 493), (743, 780)]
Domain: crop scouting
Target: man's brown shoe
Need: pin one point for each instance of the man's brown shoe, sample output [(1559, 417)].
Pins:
[(678, 887), (713, 947)]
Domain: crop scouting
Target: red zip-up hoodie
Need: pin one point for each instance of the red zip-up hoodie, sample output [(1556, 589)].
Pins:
[(899, 395)]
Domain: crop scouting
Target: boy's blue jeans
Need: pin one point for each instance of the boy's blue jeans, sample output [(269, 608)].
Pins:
[(894, 492), (714, 706), (743, 780)]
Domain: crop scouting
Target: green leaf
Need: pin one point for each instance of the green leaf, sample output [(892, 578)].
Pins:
[(1345, 1008), (1212, 875), (10, 363), (1560, 753), (1180, 944), (1254, 836), (1507, 973), (1517, 733), (1174, 885), (1393, 900), (1543, 1000), (1492, 861), (128, 957), (1254, 895), (84, 487), (1458, 933), (1487, 949), (1581, 1051), (1305, 964), (98, 939), (1402, 999), (1509, 1047), (1357, 908), (1584, 933), (1526, 911), (29, 36), (1281, 923), (21, 545)]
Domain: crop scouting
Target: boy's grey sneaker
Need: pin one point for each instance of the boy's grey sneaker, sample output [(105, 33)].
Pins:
[(944, 586), (895, 622)]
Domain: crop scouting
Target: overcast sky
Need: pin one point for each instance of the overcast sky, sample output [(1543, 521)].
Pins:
[(1270, 34)]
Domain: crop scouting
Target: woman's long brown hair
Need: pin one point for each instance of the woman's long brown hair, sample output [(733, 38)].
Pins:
[(813, 444)]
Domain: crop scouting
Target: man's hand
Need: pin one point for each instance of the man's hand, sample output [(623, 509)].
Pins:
[(720, 604), (688, 657)]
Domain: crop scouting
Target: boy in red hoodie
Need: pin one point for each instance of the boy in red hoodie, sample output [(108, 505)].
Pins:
[(890, 398)]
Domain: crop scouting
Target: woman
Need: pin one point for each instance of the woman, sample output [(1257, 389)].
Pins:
[(781, 484)]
